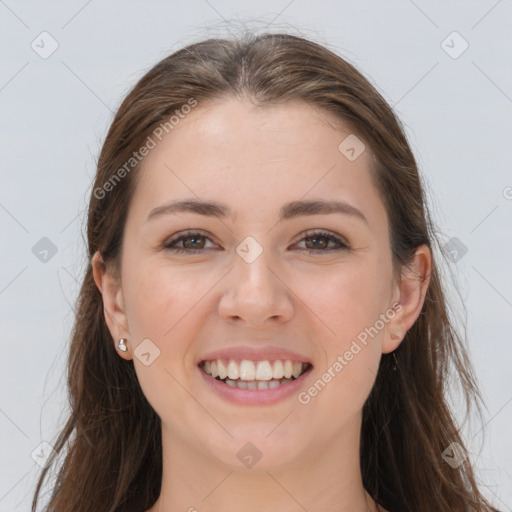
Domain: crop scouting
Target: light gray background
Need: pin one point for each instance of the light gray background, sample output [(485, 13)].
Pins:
[(55, 112)]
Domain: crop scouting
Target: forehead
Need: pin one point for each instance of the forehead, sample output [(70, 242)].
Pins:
[(256, 159)]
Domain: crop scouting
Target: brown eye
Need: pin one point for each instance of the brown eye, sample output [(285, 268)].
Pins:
[(318, 242), (191, 242)]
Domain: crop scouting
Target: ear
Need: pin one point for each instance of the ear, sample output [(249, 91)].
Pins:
[(409, 293), (109, 284)]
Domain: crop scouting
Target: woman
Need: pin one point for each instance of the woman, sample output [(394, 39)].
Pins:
[(262, 325)]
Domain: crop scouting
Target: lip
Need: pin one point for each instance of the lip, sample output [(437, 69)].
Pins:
[(255, 396), (254, 354)]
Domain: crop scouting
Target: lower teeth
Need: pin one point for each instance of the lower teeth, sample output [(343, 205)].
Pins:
[(255, 384)]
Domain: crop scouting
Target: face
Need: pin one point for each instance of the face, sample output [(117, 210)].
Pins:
[(242, 282)]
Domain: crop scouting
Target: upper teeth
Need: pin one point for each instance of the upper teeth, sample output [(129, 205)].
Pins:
[(253, 370)]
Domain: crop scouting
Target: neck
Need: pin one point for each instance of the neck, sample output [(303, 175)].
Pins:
[(328, 479)]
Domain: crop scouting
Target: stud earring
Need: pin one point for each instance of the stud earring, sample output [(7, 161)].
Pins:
[(395, 362), (395, 337), (122, 345)]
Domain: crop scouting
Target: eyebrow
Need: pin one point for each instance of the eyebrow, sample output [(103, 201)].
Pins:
[(288, 211)]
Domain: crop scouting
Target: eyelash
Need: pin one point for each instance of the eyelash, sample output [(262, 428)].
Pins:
[(169, 245)]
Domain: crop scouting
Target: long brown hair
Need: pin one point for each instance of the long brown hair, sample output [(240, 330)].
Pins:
[(112, 438)]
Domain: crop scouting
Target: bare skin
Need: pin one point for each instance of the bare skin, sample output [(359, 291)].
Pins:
[(316, 304)]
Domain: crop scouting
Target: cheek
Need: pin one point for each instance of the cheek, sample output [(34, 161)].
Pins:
[(158, 297), (160, 307), (354, 357), (346, 299), (338, 395), (351, 306)]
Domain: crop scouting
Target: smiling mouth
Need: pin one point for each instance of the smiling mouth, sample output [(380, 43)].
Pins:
[(254, 375)]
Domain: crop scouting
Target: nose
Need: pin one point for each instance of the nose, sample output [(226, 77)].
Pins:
[(256, 294)]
